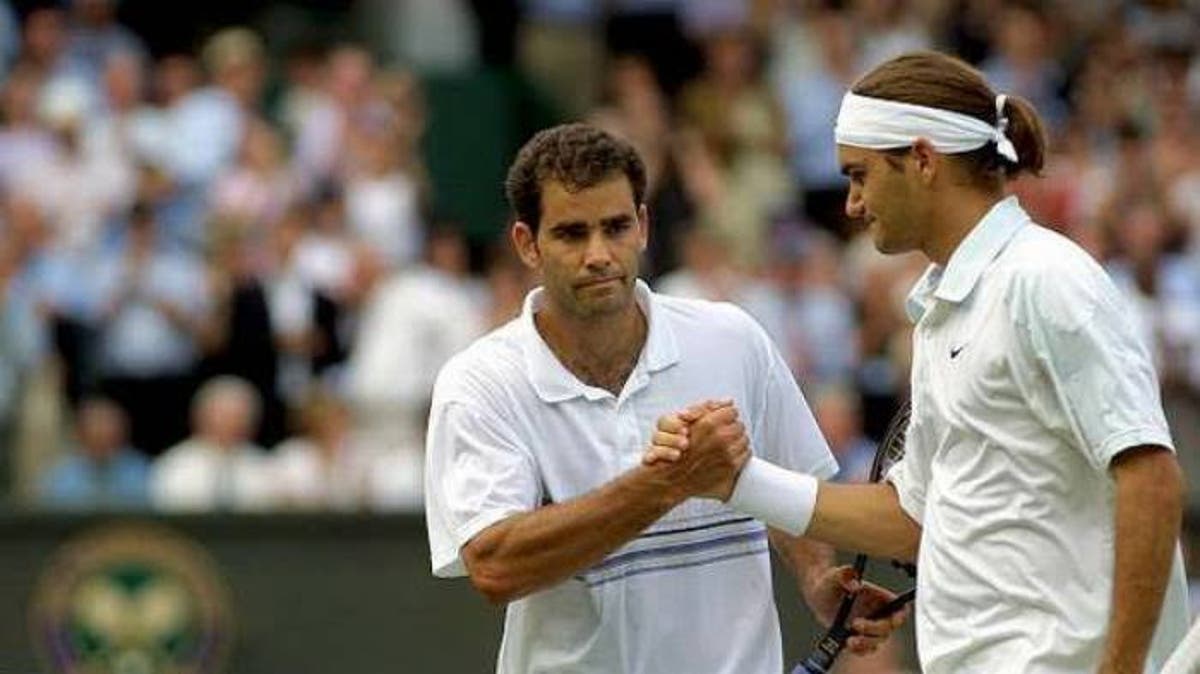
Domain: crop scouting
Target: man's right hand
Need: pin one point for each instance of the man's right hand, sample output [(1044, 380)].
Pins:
[(702, 447)]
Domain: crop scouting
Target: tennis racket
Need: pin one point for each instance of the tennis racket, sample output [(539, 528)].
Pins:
[(823, 655)]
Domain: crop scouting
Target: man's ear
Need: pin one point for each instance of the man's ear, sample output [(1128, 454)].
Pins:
[(926, 159), (525, 243)]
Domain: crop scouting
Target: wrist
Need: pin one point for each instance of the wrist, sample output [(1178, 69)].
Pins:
[(779, 498)]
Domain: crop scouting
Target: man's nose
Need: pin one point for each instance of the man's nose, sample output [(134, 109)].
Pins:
[(854, 204), (598, 254)]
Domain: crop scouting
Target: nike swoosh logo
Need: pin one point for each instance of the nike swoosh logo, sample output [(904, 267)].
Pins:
[(954, 351)]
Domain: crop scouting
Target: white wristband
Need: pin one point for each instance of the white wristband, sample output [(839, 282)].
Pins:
[(775, 496)]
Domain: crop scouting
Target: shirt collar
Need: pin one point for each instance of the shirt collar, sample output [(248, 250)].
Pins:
[(955, 281), (553, 382)]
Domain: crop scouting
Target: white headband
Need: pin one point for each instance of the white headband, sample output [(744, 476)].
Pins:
[(880, 124)]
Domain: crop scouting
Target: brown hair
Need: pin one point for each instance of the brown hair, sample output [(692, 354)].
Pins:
[(941, 81), (576, 155)]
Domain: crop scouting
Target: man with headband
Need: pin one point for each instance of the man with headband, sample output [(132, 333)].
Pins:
[(1040, 493)]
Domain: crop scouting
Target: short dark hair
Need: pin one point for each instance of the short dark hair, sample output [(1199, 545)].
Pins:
[(578, 156)]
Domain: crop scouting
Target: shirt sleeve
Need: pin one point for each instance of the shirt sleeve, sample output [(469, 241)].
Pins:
[(910, 475), (1102, 388), (476, 475), (785, 432)]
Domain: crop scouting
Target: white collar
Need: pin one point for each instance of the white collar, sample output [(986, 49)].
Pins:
[(553, 382), (955, 281)]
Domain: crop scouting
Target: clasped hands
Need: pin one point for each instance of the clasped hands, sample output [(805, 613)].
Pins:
[(705, 446)]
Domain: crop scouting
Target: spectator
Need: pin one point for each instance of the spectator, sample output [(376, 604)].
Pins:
[(20, 347), (742, 125), (839, 416), (820, 326), (239, 338), (412, 322), (260, 187), (217, 468), (102, 472), (811, 100), (383, 202), (1023, 63), (95, 36), (152, 317), (1164, 291), (326, 467), (23, 141), (208, 124)]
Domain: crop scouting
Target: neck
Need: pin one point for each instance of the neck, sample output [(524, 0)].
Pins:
[(954, 220), (600, 351)]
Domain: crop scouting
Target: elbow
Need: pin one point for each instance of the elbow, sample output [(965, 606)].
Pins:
[(495, 586), (908, 548), (489, 576)]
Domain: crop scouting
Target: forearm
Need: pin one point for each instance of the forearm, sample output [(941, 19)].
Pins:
[(864, 518), (1149, 505), (807, 558), (535, 550)]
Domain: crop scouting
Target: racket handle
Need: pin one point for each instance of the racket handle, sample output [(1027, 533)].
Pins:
[(821, 660), (894, 605)]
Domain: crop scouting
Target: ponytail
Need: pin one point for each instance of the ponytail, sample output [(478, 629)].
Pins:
[(1027, 134)]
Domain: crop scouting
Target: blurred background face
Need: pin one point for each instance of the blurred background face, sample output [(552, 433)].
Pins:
[(1022, 36), (123, 81), (838, 417), (95, 12), (227, 420), (731, 58), (101, 428), (174, 77), (45, 35)]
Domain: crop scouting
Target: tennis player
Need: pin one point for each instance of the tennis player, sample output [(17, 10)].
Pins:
[(1040, 494), (535, 487)]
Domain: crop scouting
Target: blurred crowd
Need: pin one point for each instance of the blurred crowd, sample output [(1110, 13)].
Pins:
[(219, 294)]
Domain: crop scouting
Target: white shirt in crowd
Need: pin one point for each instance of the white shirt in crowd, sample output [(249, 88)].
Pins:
[(196, 476), (411, 325), (512, 429), (1028, 378), (306, 478)]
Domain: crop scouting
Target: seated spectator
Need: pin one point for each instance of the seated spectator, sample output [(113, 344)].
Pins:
[(326, 467), (217, 468), (102, 472)]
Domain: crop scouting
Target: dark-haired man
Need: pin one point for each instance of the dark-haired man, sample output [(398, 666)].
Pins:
[(535, 487)]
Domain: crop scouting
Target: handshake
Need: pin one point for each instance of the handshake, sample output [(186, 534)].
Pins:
[(700, 450)]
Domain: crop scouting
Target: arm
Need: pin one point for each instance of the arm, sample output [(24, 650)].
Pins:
[(530, 551), (1149, 505), (533, 550), (865, 518), (824, 585), (809, 560)]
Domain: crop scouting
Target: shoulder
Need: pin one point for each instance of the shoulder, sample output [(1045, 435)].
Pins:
[(493, 362), (1051, 277), (716, 319)]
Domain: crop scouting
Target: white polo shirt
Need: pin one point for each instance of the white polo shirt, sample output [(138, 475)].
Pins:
[(1027, 380), (511, 429)]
